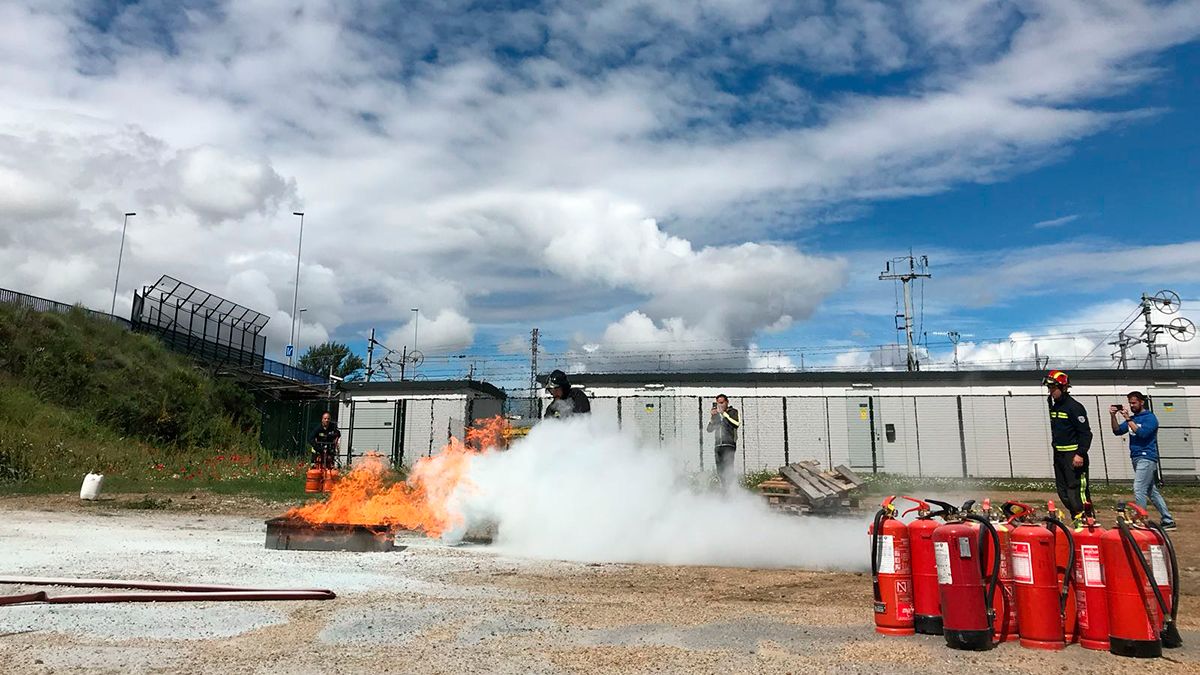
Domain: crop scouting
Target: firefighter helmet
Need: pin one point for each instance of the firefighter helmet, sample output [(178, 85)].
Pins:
[(1057, 378), (558, 379)]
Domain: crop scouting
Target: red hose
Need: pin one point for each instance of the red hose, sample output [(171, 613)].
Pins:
[(175, 592)]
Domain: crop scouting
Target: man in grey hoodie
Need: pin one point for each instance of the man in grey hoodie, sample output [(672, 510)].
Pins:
[(724, 424)]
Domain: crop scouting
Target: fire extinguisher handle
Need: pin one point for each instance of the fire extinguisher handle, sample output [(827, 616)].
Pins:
[(946, 507), (920, 505), (1141, 513)]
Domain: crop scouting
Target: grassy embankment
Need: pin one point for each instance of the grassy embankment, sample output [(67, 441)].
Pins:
[(78, 394)]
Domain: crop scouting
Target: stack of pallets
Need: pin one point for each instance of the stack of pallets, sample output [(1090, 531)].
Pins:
[(802, 487)]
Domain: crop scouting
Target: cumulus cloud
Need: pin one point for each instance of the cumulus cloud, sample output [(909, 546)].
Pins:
[(554, 159), (443, 332), (218, 185)]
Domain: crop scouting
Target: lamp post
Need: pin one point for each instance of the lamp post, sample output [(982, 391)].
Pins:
[(299, 326), (120, 255), (296, 292), (416, 317)]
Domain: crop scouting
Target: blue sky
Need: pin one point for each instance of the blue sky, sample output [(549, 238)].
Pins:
[(700, 185)]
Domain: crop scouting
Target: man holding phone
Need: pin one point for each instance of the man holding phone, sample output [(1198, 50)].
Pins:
[(1142, 427), (724, 423)]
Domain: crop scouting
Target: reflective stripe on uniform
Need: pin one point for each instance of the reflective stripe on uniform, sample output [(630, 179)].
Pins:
[(1067, 448)]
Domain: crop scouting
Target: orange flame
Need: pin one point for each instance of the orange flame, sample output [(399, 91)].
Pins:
[(364, 496)]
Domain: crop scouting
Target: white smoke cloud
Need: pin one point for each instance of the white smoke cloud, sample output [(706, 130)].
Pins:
[(581, 490)]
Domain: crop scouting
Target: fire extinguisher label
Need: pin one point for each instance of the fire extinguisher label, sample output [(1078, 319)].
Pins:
[(1093, 574), (1158, 563), (941, 555), (1022, 562), (893, 556), (887, 554)]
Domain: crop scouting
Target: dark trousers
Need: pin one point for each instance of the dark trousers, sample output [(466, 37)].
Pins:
[(725, 457), (1072, 483)]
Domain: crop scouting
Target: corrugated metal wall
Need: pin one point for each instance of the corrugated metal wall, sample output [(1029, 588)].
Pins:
[(936, 436)]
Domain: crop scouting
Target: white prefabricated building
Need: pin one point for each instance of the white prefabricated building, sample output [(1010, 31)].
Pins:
[(986, 424), (404, 421)]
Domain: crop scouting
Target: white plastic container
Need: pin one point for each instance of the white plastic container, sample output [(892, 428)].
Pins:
[(91, 486)]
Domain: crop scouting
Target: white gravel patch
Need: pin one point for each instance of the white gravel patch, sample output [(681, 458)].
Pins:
[(186, 548), (177, 620)]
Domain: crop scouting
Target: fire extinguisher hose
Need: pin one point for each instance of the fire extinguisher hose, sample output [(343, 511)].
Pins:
[(1068, 575), (166, 592), (1137, 551), (1171, 637), (876, 528), (994, 577), (1174, 568)]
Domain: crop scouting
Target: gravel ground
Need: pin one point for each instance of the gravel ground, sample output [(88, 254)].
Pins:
[(435, 609)]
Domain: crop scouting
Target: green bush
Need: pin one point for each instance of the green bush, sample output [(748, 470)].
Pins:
[(83, 394)]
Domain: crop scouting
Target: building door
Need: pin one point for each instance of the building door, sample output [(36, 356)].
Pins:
[(860, 432), (1177, 435), (372, 428)]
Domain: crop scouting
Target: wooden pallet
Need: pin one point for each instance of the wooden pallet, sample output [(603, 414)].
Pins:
[(802, 487)]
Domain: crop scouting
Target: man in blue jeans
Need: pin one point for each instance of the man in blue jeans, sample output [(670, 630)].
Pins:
[(1142, 427)]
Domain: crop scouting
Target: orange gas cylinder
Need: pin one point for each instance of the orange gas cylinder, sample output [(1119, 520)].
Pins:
[(312, 480), (891, 572), (331, 479)]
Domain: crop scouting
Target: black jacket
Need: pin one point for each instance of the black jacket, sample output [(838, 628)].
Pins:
[(323, 439), (1069, 428), (726, 427), (574, 403)]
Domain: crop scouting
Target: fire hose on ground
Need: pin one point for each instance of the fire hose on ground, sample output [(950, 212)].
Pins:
[(163, 592)]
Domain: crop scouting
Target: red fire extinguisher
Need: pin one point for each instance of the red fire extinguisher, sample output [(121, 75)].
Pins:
[(1091, 600), (1004, 604), (1168, 584), (967, 588), (927, 603), (891, 572), (1040, 591), (1140, 615)]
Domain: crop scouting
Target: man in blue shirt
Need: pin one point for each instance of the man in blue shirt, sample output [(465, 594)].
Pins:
[(1142, 427)]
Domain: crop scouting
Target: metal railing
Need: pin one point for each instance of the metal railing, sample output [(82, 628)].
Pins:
[(43, 305), (37, 304), (291, 372)]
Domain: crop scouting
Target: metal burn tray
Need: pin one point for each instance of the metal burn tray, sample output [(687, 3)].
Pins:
[(290, 534)]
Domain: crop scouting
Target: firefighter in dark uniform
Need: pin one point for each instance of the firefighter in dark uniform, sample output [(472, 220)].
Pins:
[(324, 443), (1071, 436), (565, 399)]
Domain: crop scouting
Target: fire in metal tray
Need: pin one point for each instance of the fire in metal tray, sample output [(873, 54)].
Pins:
[(291, 534)]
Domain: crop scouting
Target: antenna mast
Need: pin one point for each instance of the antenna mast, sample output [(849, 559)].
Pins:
[(904, 269)]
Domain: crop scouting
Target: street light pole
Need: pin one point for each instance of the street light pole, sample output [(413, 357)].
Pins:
[(299, 326), (120, 255), (296, 292), (416, 318)]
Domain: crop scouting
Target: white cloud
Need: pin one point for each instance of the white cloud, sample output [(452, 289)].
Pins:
[(1056, 222), (610, 163), (446, 331), (218, 185)]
